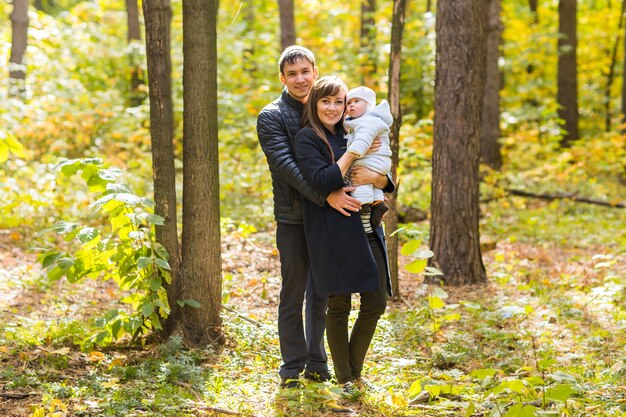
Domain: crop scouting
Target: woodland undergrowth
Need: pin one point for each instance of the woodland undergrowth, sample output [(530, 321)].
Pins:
[(545, 337)]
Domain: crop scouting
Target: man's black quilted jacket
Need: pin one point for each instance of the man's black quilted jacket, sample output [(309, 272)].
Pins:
[(276, 127)]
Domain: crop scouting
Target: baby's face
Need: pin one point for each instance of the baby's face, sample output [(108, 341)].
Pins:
[(356, 107)]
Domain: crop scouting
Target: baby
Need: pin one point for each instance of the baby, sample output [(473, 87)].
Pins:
[(364, 122)]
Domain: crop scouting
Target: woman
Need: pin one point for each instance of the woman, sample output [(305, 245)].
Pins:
[(345, 259)]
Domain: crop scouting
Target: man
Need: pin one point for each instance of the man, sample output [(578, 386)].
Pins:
[(277, 126)]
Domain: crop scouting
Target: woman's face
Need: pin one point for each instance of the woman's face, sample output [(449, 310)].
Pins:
[(330, 109)]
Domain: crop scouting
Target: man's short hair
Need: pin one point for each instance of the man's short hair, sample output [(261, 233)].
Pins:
[(294, 53)]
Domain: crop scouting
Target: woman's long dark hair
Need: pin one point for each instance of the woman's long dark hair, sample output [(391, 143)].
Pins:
[(324, 87)]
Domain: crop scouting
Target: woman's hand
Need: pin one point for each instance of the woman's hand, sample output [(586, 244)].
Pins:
[(375, 146), (361, 175)]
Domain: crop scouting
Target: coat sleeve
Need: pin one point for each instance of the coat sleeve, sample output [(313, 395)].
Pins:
[(314, 163), (390, 187), (280, 157), (364, 134)]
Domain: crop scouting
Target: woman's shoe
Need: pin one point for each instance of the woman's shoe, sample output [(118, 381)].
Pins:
[(350, 391), (365, 386)]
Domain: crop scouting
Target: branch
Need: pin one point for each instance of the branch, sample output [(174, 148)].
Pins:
[(569, 196), (248, 319), (15, 395)]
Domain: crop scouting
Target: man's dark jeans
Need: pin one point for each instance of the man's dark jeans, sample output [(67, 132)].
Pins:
[(299, 351)]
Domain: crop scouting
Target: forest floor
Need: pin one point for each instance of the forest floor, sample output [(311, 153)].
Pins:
[(548, 317)]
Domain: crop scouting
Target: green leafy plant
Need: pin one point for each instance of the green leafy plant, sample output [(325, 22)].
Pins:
[(436, 306), (8, 144), (127, 253)]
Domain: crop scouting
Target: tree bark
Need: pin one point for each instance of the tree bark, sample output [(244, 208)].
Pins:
[(490, 125), (368, 43), (610, 76), (623, 129), (201, 258), (459, 84), (287, 23), (158, 15), (533, 10), (132, 19), (134, 35), (249, 63), (19, 41), (567, 84), (395, 60)]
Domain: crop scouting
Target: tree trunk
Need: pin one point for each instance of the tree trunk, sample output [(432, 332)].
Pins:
[(368, 43), (134, 35), (533, 10), (287, 23), (158, 15), (248, 61), (567, 84), (611, 74), (132, 19), (623, 129), (19, 40), (459, 84), (490, 125), (201, 278), (395, 60)]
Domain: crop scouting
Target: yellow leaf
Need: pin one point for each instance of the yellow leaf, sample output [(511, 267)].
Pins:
[(39, 412), (58, 404), (398, 400), (111, 384), (96, 356), (4, 152), (62, 351)]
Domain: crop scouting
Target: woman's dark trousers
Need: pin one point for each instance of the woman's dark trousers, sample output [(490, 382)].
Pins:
[(348, 353)]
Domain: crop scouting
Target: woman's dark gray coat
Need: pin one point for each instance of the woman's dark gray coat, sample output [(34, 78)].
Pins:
[(340, 255)]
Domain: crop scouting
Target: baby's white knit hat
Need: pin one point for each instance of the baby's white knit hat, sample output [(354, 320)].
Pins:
[(364, 93)]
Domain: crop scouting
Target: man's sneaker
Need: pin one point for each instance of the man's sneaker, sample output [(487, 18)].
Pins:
[(293, 382), (317, 376), (350, 391)]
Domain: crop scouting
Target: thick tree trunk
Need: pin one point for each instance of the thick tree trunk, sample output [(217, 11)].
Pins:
[(395, 59), (287, 23), (368, 43), (157, 20), (201, 267), (490, 126), (567, 84), (459, 84), (19, 40)]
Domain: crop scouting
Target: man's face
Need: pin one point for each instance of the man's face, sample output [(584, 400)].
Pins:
[(299, 78)]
